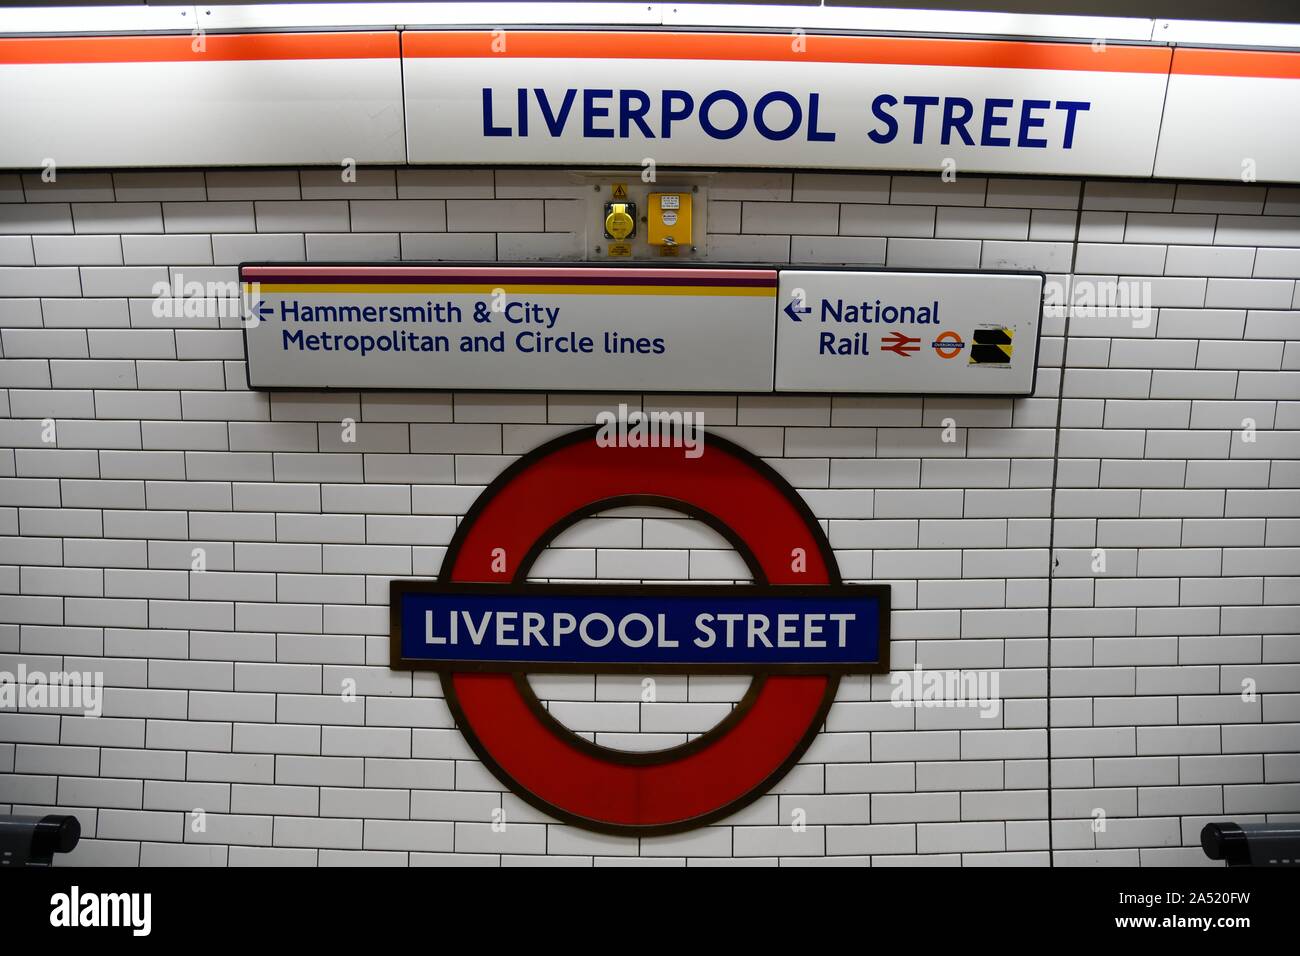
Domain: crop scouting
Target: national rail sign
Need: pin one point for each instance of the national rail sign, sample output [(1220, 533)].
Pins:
[(483, 627), (688, 328), (928, 332)]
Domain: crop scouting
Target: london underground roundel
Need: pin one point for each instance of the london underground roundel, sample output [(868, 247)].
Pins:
[(796, 630)]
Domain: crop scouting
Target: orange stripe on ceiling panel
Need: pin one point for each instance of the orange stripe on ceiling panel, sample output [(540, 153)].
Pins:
[(167, 49), (1005, 54), (1248, 63)]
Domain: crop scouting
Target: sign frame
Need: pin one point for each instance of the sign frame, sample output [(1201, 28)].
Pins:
[(692, 265)]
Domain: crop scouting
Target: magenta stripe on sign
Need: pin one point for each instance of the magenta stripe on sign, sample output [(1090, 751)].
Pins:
[(478, 274)]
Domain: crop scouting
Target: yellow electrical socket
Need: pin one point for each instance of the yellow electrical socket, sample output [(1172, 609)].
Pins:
[(620, 220), (668, 219)]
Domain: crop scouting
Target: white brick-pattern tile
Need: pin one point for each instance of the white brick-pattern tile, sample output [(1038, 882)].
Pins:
[(1121, 549)]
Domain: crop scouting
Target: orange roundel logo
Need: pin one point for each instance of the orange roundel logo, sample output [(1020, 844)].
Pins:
[(948, 344)]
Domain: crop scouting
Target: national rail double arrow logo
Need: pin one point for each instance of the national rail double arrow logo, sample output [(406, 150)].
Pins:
[(900, 344), (484, 627)]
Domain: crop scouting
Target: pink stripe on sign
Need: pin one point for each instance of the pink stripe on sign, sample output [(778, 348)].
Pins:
[(488, 272)]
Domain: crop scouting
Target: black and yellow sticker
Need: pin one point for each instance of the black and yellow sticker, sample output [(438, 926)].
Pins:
[(991, 346)]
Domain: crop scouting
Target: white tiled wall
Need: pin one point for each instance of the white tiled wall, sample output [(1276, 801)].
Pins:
[(1114, 744)]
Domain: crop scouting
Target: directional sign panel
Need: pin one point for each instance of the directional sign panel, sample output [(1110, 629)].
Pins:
[(633, 329), (915, 332), (552, 328)]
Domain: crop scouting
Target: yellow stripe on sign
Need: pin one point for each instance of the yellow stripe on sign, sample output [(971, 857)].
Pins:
[(512, 289)]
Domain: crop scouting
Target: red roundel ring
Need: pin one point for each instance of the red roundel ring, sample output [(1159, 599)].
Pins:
[(565, 775)]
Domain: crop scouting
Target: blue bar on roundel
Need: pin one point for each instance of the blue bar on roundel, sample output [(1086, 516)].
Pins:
[(831, 629)]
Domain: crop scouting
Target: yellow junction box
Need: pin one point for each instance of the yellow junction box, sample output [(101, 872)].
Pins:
[(668, 219)]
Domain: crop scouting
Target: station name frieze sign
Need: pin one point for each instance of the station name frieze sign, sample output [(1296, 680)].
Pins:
[(613, 329), (807, 101)]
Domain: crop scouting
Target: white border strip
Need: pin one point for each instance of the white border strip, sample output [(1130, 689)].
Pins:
[(304, 16), (87, 20), (297, 15), (932, 22), (1226, 34)]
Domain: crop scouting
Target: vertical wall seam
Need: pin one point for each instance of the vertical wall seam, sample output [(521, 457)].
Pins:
[(1051, 505)]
